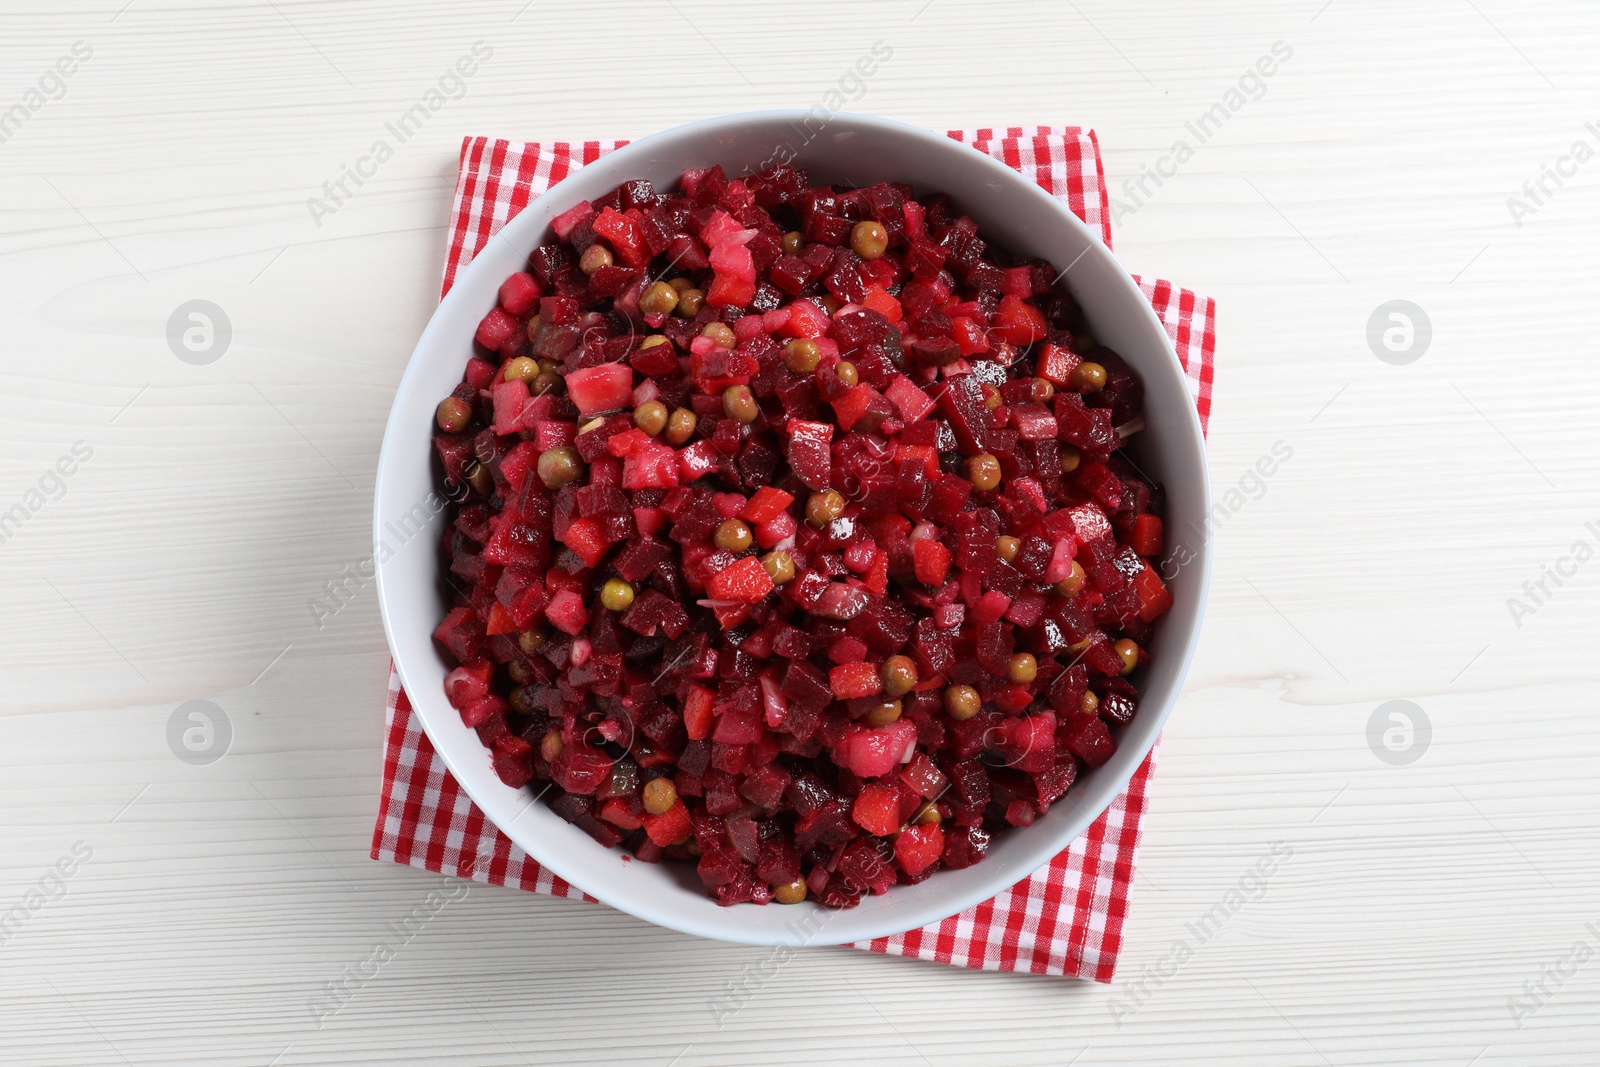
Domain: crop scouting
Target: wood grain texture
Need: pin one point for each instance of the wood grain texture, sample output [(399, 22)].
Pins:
[(1409, 904)]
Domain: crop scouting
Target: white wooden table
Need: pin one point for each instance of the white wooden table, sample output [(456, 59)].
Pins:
[(1438, 911)]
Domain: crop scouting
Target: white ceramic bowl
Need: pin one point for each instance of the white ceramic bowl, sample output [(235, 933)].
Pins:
[(846, 149)]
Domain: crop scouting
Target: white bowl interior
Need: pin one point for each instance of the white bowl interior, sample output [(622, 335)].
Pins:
[(849, 149)]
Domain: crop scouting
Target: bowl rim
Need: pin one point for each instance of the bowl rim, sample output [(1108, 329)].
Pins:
[(474, 275)]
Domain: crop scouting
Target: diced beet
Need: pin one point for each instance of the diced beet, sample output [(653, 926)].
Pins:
[(872, 751), (466, 684), (919, 847), (670, 827), (912, 402), (863, 869), (1089, 740), (745, 581), (766, 505), (964, 846), (960, 399), (496, 329), (840, 601), (1017, 322), (603, 388), (877, 809), (806, 686), (738, 727), (932, 562), (650, 466), (1055, 364), (566, 612), (851, 680), (626, 238), (808, 452), (509, 400), (483, 710), (461, 632), (1033, 422), (924, 777), (1154, 598), (1118, 706)]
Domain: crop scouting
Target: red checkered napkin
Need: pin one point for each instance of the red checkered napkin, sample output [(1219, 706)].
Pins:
[(1065, 918)]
